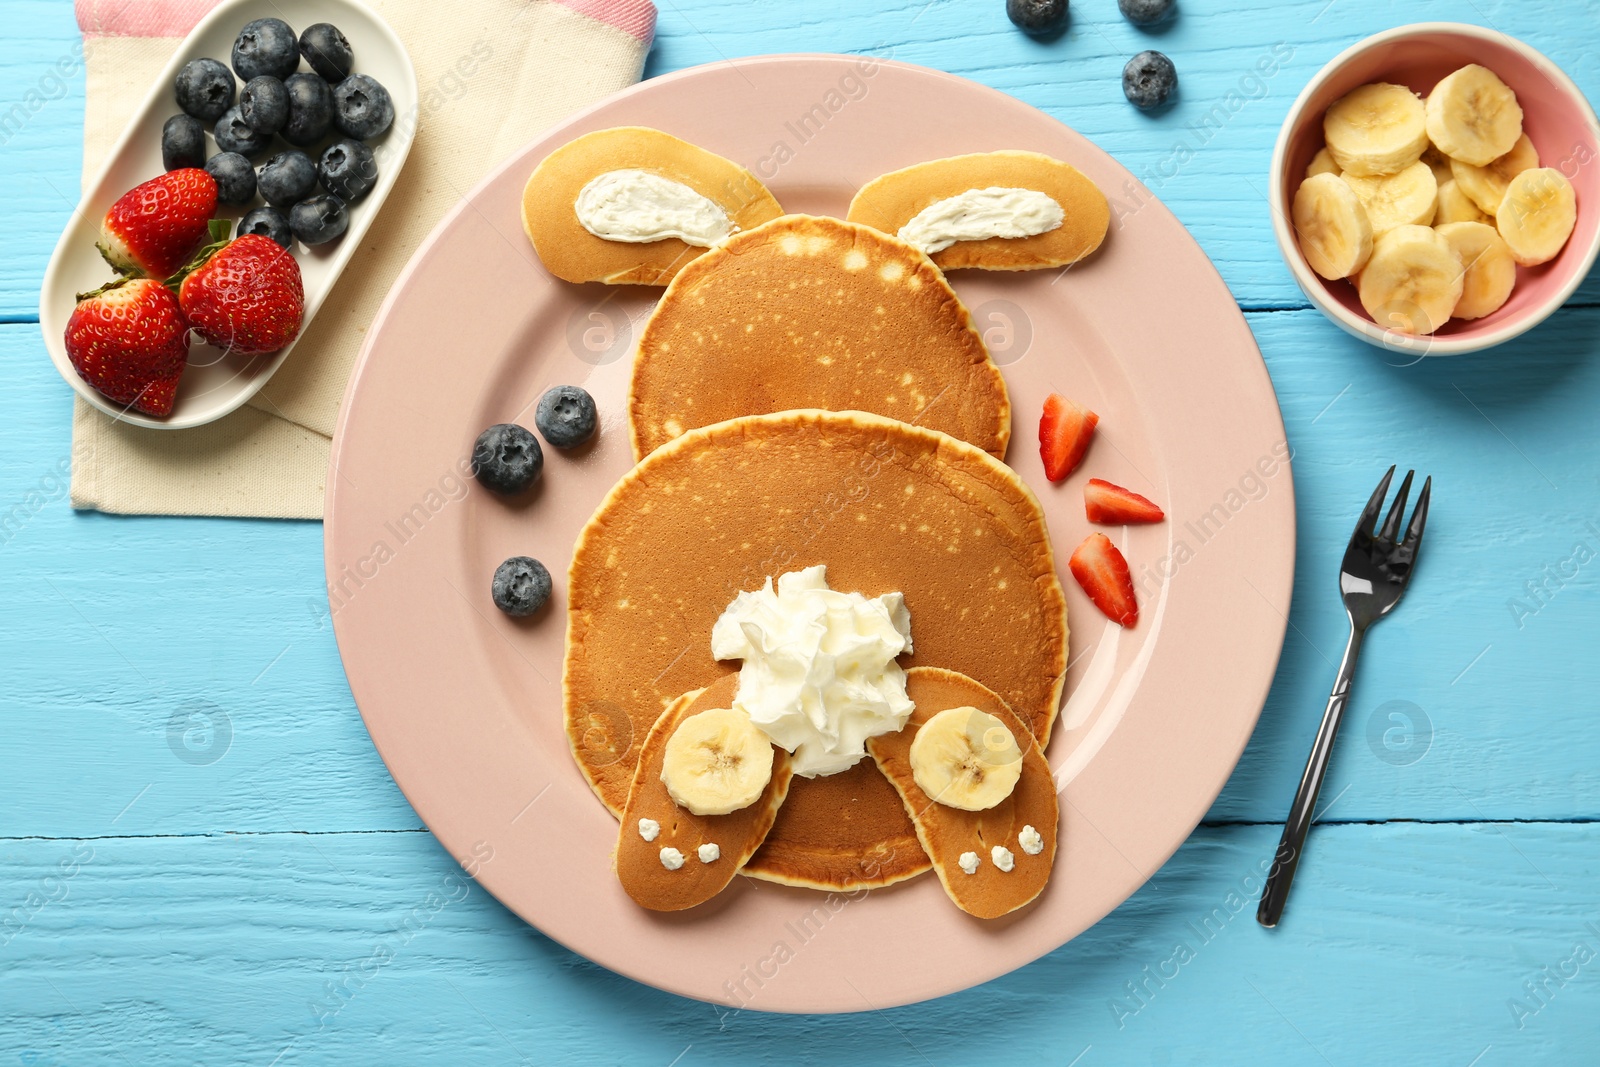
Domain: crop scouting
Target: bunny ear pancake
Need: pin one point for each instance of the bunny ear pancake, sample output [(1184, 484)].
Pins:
[(570, 251), (890, 202)]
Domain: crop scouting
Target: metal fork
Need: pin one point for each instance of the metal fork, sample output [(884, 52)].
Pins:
[(1377, 566)]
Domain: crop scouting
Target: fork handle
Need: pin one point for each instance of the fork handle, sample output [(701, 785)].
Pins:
[(1292, 844)]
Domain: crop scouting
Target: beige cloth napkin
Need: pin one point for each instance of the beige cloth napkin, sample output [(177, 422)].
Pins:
[(532, 63)]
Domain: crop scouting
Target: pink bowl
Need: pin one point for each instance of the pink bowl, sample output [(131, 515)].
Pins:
[(1556, 117)]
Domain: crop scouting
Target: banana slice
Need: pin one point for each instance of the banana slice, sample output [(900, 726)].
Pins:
[(1321, 163), (717, 762), (1404, 199), (1537, 215), (1332, 226), (1490, 270), (1437, 162), (1487, 185), (965, 758), (1413, 280), (1376, 129), (1473, 116), (1456, 206)]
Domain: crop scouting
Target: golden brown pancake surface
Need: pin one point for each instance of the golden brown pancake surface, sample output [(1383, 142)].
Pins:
[(573, 254), (845, 831), (885, 506), (890, 201), (737, 834), (946, 832), (811, 312)]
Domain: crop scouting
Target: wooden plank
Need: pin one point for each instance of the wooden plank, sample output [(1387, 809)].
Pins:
[(1403, 944)]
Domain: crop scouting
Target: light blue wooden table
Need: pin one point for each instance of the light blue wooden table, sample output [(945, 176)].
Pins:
[(172, 899)]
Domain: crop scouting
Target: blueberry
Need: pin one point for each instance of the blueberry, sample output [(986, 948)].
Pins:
[(183, 142), (236, 178), (566, 416), (264, 104), (521, 586), (348, 170), (361, 107), (310, 110), (266, 222), (266, 46), (1149, 80), (1145, 12), (1040, 18), (326, 49), (204, 89), (287, 178), (234, 134), (507, 458), (319, 220)]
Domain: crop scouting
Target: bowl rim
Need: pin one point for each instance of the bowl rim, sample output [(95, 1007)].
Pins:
[(1311, 285)]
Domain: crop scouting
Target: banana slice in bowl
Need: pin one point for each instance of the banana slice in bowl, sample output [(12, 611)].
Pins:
[(1492, 109)]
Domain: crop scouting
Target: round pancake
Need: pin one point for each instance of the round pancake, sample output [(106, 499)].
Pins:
[(573, 254), (894, 199), (885, 506), (737, 834), (811, 312), (945, 832)]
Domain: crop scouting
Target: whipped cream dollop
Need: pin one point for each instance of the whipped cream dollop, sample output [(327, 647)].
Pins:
[(978, 214), (637, 207), (819, 674)]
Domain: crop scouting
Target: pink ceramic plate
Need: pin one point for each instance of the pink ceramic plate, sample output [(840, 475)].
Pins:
[(465, 704)]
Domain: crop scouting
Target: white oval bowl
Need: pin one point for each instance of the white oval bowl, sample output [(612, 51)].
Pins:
[(215, 382)]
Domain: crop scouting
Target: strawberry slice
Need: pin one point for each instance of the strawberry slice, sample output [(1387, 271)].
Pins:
[(1111, 505), (1064, 433), (155, 227), (1103, 573)]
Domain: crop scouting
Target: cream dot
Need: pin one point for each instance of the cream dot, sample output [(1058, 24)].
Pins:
[(648, 829), (969, 862), (671, 859), (1002, 857), (1031, 840), (710, 852)]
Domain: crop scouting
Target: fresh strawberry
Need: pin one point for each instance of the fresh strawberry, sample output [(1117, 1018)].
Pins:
[(1112, 505), (245, 295), (1064, 434), (1103, 573), (155, 227), (129, 341)]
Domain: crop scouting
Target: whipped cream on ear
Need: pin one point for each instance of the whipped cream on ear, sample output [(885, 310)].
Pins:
[(637, 207), (819, 674), (978, 214)]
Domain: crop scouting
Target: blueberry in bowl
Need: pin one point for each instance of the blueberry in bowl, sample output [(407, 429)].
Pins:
[(266, 46), (310, 110), (267, 222), (348, 170), (287, 178), (264, 104), (327, 51), (204, 88), (183, 142), (234, 134), (320, 219), (361, 107), (236, 178)]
